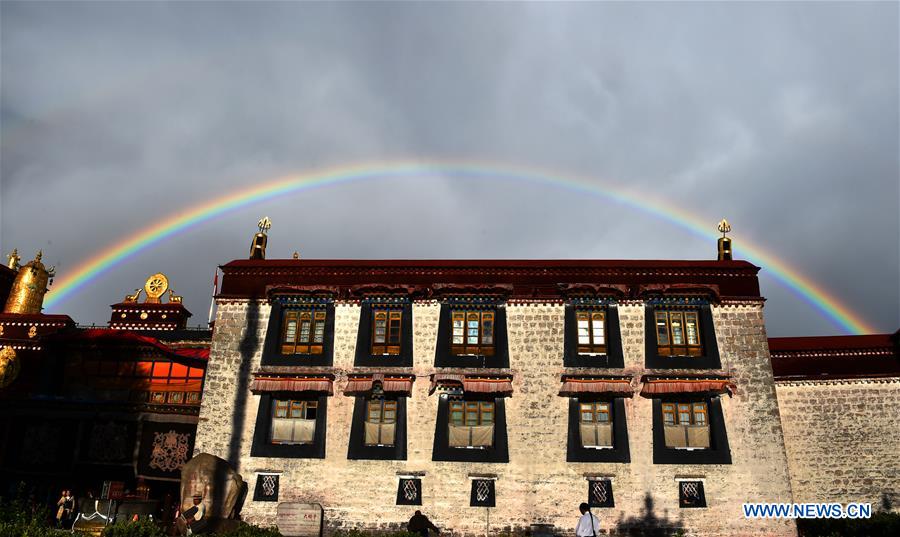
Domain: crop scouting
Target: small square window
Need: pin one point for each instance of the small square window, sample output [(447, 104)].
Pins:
[(690, 494), (482, 493), (600, 493), (409, 491), (266, 488)]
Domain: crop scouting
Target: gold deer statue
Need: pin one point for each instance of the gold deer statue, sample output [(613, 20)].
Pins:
[(133, 298)]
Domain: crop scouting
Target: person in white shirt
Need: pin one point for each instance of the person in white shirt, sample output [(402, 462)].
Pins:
[(588, 524)]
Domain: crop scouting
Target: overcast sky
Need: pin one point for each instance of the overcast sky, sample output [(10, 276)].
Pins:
[(781, 116)]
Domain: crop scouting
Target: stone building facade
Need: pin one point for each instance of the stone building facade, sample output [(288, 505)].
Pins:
[(673, 429), (838, 402)]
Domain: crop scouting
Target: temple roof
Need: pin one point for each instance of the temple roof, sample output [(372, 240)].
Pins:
[(835, 357), (527, 277)]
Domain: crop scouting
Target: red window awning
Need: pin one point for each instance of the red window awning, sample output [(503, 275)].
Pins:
[(292, 384), (473, 383), (363, 384), (706, 385), (575, 386)]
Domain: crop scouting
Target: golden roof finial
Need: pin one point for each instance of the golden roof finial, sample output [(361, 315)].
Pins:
[(265, 224), (258, 246), (12, 260), (724, 242), (296, 255), (724, 227), (39, 255)]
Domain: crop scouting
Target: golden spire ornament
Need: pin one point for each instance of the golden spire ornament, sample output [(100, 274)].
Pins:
[(29, 287), (12, 260), (258, 246), (724, 242)]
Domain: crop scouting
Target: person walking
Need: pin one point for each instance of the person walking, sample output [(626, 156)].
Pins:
[(420, 524), (588, 524)]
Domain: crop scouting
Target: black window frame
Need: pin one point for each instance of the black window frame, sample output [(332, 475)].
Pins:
[(718, 451), (709, 357), (443, 355), (364, 356), (401, 497), (490, 501), (682, 501), (614, 358), (610, 502), (620, 452), (259, 494), (262, 445), (442, 451), (358, 450), (272, 346)]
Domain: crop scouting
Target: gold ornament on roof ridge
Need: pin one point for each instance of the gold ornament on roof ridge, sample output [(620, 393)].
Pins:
[(724, 227), (265, 224), (12, 260), (155, 287), (173, 298), (29, 286), (134, 297)]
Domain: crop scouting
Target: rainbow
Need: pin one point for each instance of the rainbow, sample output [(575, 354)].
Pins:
[(90, 269)]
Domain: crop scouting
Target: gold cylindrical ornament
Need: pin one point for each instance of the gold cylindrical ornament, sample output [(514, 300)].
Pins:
[(258, 248), (724, 249), (9, 366), (29, 288)]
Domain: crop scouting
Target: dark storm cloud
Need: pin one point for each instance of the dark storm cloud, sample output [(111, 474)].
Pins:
[(783, 117)]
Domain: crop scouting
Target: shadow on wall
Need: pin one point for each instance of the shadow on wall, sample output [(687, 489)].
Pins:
[(247, 348), (648, 524)]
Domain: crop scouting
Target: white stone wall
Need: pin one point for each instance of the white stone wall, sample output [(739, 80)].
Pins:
[(843, 440), (537, 485)]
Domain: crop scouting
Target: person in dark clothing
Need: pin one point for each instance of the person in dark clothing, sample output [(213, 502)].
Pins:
[(420, 524)]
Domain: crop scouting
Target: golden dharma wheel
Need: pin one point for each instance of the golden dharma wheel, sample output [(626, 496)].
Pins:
[(9, 366), (156, 285)]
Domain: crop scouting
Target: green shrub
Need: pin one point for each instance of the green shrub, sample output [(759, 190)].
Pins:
[(246, 530), (882, 524), (361, 533), (141, 528), (31, 529)]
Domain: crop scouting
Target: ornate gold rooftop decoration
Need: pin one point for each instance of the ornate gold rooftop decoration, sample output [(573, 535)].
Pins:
[(30, 285), (258, 246), (154, 288), (724, 227), (724, 242)]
